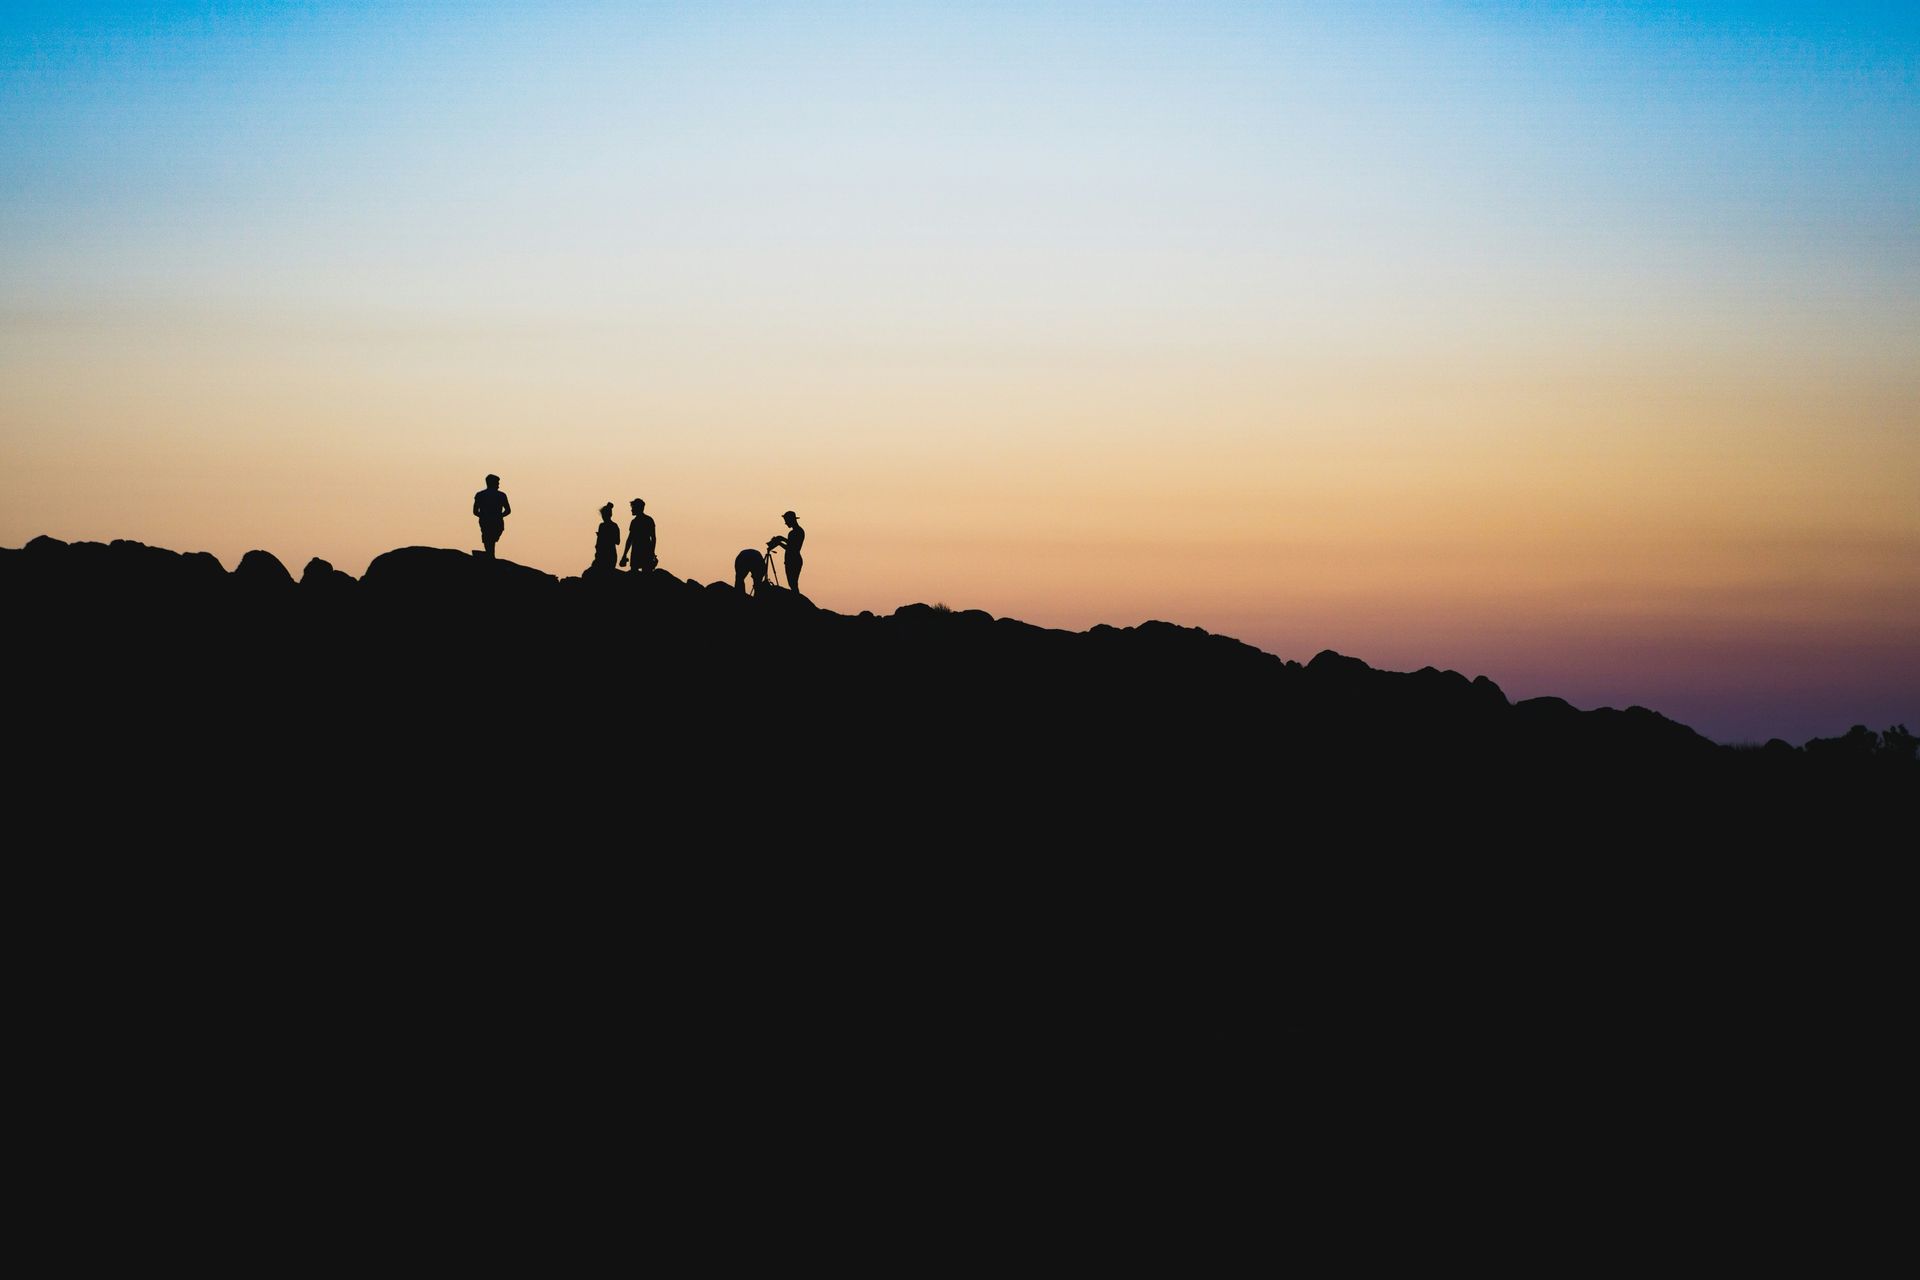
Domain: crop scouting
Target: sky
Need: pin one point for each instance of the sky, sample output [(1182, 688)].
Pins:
[(1576, 345)]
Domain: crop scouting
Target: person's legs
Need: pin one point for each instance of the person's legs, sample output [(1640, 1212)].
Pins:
[(793, 574)]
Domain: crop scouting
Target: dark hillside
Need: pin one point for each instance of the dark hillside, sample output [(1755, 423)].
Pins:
[(441, 684)]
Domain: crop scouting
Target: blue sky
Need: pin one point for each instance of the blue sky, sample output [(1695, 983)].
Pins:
[(1603, 313)]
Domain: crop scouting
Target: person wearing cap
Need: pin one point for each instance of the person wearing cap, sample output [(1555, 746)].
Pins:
[(490, 504), (640, 538), (791, 540), (606, 543)]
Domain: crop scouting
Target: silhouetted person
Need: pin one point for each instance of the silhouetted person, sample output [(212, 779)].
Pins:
[(491, 505), (606, 542), (640, 538), (749, 564), (791, 540)]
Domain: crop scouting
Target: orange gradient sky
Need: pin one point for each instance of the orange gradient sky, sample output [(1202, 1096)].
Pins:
[(1579, 348)]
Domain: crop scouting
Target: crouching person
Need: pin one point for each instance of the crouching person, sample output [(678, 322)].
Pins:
[(749, 564)]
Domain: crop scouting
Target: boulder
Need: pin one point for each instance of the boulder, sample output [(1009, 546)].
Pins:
[(413, 572), (783, 601), (1328, 663), (262, 571), (137, 566), (203, 566), (320, 577)]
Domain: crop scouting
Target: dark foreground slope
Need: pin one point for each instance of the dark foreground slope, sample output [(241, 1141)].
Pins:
[(445, 698), (313, 882)]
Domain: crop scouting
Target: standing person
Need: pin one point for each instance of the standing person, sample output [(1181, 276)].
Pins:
[(640, 535), (491, 505), (791, 540), (606, 542)]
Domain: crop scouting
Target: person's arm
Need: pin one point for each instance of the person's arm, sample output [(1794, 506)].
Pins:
[(777, 540), (476, 504), (506, 508), (629, 548)]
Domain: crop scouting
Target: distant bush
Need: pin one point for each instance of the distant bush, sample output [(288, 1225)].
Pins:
[(1899, 743)]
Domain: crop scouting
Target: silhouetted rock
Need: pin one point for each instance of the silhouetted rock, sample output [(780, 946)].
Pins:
[(262, 571), (440, 672), (321, 578), (122, 567), (1328, 664), (138, 561), (783, 601), (413, 573)]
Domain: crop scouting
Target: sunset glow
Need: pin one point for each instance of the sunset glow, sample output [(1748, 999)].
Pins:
[(1576, 345)]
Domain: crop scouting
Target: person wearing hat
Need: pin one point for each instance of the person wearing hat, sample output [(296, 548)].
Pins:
[(606, 543), (491, 506), (640, 539), (791, 540)]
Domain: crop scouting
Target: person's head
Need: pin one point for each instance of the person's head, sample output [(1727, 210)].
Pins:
[(606, 512), (638, 505), (493, 482), (790, 518)]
